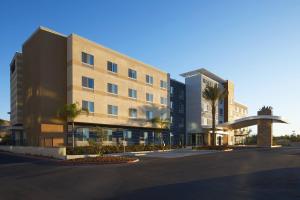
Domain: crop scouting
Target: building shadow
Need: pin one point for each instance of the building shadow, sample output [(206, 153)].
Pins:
[(272, 184)]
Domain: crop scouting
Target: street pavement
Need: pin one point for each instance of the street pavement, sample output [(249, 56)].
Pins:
[(241, 174)]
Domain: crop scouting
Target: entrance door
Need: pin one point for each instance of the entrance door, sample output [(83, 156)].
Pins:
[(220, 142)]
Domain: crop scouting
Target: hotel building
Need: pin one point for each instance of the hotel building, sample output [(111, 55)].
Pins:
[(122, 94), (198, 109)]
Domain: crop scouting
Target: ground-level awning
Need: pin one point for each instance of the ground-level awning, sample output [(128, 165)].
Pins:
[(250, 121)]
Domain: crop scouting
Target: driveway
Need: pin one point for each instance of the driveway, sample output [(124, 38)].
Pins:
[(245, 174)]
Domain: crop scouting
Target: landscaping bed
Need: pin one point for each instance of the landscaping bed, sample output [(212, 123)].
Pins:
[(100, 150), (100, 160)]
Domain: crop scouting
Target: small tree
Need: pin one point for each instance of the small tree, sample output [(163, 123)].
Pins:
[(213, 94), (161, 123), (2, 122), (69, 112)]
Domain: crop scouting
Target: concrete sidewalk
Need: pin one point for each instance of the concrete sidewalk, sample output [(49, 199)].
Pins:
[(174, 153)]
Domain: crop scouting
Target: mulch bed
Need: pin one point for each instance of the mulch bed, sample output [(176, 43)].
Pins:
[(100, 160)]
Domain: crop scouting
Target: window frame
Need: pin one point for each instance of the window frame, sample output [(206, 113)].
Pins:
[(135, 92), (149, 95), (132, 72), (88, 57), (114, 67), (136, 113), (88, 79), (113, 88), (87, 105), (114, 110)]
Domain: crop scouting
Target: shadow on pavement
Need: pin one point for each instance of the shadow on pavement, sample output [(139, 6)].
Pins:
[(7, 158), (273, 184)]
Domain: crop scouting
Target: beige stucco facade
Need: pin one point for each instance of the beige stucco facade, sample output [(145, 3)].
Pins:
[(53, 78), (101, 97)]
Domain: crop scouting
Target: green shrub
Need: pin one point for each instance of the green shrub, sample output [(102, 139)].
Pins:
[(97, 149)]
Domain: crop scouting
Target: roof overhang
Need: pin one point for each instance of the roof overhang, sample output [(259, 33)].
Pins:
[(204, 72), (251, 121)]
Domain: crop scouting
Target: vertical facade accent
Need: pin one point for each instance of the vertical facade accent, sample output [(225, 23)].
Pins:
[(177, 109), (45, 85), (264, 129)]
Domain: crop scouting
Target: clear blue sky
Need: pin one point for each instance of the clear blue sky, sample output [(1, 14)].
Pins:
[(256, 44)]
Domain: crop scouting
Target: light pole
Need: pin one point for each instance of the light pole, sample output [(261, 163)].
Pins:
[(124, 132)]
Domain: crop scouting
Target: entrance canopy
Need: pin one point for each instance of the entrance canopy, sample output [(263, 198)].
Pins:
[(250, 121)]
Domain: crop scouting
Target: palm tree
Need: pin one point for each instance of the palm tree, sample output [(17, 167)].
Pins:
[(161, 123), (213, 94), (69, 112), (2, 122)]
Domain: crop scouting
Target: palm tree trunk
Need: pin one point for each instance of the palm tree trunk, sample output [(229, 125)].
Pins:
[(73, 134), (213, 112)]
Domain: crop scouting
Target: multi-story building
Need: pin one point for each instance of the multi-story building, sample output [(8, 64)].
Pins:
[(122, 94), (16, 97), (198, 109), (177, 108)]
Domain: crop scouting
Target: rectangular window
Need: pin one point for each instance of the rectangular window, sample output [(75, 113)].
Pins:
[(149, 79), (171, 104), (163, 100), (112, 110), (87, 58), (87, 82), (113, 67), (132, 93), (149, 97), (172, 90), (163, 115), (132, 74), (181, 108), (112, 88), (149, 115), (109, 133), (221, 111), (88, 105), (132, 113), (163, 84)]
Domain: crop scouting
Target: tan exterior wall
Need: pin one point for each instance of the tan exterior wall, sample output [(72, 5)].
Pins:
[(101, 76), (229, 102), (45, 83)]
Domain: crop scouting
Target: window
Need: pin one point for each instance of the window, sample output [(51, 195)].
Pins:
[(88, 105), (132, 74), (113, 67), (149, 97), (163, 100), (171, 119), (132, 93), (87, 58), (149, 79), (87, 82), (128, 134), (171, 104), (163, 115), (221, 111), (112, 88), (112, 110), (109, 133), (181, 108), (145, 135), (132, 113), (163, 84), (172, 90), (149, 115)]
